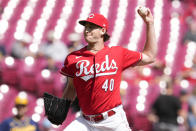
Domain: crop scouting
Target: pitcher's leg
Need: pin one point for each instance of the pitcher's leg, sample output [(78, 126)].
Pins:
[(117, 122), (78, 124), (124, 125)]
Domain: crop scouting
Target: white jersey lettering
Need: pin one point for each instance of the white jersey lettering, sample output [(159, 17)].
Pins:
[(100, 69)]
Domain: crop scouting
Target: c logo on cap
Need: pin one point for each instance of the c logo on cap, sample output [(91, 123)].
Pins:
[(91, 15)]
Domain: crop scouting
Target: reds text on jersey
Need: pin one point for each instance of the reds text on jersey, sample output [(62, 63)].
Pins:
[(97, 76)]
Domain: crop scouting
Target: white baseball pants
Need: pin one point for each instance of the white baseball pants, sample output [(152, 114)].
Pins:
[(116, 122)]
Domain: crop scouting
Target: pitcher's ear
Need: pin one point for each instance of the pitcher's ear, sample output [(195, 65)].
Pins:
[(103, 31)]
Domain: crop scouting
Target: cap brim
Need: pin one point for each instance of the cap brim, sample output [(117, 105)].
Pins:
[(20, 104), (82, 22)]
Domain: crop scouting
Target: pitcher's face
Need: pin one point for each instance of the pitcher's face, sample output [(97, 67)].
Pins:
[(92, 33)]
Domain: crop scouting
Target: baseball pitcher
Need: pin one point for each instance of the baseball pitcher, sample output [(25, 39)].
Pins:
[(94, 75)]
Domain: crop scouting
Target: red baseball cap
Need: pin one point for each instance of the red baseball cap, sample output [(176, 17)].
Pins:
[(96, 19)]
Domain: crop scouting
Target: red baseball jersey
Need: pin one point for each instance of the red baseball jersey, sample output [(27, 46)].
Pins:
[(97, 77)]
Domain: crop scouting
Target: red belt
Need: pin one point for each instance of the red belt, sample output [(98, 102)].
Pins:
[(98, 117)]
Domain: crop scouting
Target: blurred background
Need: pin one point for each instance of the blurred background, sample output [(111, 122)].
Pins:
[(36, 36)]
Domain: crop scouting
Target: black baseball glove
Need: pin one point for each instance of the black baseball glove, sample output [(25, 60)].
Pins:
[(56, 109)]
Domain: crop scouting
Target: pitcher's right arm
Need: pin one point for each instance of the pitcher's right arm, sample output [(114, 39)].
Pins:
[(69, 92)]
